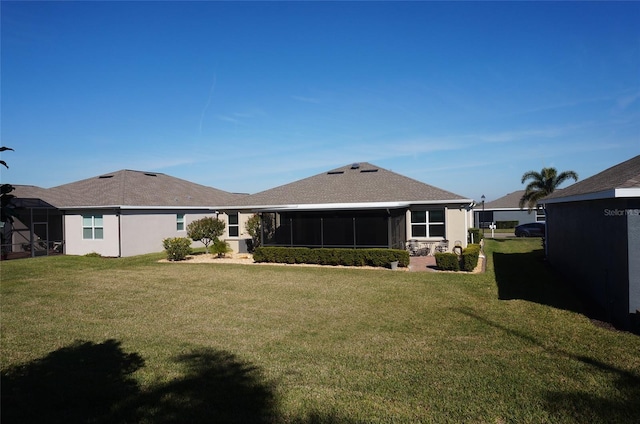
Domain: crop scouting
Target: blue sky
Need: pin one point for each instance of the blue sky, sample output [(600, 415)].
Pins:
[(248, 96)]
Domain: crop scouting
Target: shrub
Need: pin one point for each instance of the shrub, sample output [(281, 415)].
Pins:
[(477, 235), (252, 227), (206, 230), (177, 248), (93, 255), (470, 257), (220, 248), (447, 261), (346, 257)]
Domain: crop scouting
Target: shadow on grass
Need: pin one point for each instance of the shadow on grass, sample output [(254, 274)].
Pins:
[(583, 407), (75, 384), (528, 276), (93, 383)]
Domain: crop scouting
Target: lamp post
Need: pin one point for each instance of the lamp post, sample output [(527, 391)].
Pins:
[(482, 220)]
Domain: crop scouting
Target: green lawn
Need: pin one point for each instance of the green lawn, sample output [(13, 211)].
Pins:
[(132, 340)]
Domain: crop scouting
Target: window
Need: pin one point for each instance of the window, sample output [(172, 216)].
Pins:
[(233, 225), (92, 227), (485, 219), (428, 223), (180, 222)]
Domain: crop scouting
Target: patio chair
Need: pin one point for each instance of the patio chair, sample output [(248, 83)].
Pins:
[(443, 246), (413, 247)]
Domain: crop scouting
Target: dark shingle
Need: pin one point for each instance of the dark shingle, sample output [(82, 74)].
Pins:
[(350, 184), (136, 188), (510, 201), (622, 175)]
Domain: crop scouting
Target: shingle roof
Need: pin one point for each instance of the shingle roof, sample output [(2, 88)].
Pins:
[(136, 188), (26, 194), (29, 191), (510, 201), (621, 176), (357, 183)]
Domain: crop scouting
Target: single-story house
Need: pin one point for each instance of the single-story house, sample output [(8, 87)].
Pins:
[(123, 213), (593, 235), (506, 209), (361, 205), (128, 213)]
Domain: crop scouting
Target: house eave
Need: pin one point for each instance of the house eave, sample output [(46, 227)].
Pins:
[(616, 193), (141, 207), (479, 209), (349, 206)]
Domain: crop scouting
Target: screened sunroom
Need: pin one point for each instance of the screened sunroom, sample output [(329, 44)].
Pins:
[(348, 228)]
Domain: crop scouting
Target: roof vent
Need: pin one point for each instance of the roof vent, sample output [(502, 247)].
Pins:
[(105, 176), (368, 170), (355, 166), (150, 174), (335, 172)]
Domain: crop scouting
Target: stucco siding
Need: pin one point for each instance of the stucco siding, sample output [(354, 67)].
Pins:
[(238, 244), (143, 231), (456, 226), (457, 221), (75, 244)]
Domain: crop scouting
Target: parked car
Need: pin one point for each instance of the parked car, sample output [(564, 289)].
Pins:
[(532, 229)]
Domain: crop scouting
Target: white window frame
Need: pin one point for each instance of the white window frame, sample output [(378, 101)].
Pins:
[(180, 221), (236, 225), (93, 226), (427, 223)]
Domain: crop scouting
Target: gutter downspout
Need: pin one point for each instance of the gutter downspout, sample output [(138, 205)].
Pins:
[(64, 233), (119, 234)]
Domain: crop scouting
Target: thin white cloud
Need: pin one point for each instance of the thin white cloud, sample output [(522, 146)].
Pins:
[(623, 102), (207, 104), (228, 118)]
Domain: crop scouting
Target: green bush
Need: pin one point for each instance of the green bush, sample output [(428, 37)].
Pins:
[(93, 255), (470, 257), (447, 261), (346, 257), (477, 235), (177, 248), (220, 248), (504, 225)]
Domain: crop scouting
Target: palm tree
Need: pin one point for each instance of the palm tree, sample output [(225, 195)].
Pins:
[(544, 183)]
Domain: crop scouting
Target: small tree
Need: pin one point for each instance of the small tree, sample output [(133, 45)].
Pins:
[(206, 230), (252, 227), (259, 226)]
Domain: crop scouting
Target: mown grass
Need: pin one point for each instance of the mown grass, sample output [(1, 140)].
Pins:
[(134, 340)]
